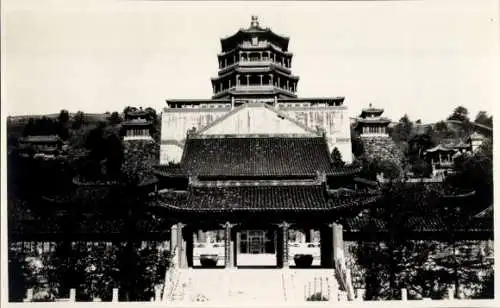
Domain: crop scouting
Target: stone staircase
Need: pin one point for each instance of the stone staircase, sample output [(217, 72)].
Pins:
[(257, 286), (228, 286)]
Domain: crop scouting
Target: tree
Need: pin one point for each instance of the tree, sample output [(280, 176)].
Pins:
[(483, 118), (460, 114), (393, 261), (337, 158), (442, 131), (78, 120), (401, 133), (63, 120), (421, 168), (356, 143), (114, 118)]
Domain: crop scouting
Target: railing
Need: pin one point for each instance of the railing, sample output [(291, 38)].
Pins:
[(171, 277)]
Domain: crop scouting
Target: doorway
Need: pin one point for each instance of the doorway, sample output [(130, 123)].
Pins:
[(256, 248)]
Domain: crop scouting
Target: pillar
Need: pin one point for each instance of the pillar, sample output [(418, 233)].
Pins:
[(404, 294), (228, 247), (260, 79), (311, 235), (115, 295), (326, 246), (237, 79), (173, 238), (248, 79), (200, 236), (338, 240), (271, 82), (284, 231), (181, 245), (288, 85)]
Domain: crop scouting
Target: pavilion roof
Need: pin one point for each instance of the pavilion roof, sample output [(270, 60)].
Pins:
[(440, 148), (375, 120), (40, 139), (256, 157), (254, 29), (253, 198)]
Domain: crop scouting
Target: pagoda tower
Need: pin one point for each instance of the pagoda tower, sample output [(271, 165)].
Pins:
[(255, 64), (371, 122), (137, 125), (372, 127)]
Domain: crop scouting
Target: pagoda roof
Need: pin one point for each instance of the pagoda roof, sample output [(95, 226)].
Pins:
[(256, 156), (440, 148), (40, 139), (255, 29), (371, 110), (375, 120), (255, 69), (136, 123), (262, 198)]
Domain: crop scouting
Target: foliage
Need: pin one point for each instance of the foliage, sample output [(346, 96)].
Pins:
[(482, 117), (42, 126), (337, 158), (19, 275), (460, 113), (402, 131), (317, 297), (391, 264), (475, 172), (356, 143), (114, 118), (421, 169), (78, 120)]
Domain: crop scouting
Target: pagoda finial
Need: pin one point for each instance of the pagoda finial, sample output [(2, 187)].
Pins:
[(370, 105), (255, 21)]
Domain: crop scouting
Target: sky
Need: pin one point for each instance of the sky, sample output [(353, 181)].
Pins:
[(422, 58)]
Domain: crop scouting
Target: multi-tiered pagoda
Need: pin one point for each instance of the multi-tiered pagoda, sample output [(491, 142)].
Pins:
[(255, 92)]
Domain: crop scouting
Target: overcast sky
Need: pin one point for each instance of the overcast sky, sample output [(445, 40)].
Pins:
[(422, 58)]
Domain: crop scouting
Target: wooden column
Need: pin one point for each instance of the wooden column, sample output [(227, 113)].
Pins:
[(248, 79), (173, 238), (326, 246), (200, 236), (228, 251), (338, 240), (260, 79), (181, 245), (284, 231)]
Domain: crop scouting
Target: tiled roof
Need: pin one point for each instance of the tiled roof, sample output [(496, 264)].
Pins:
[(41, 139), (421, 224), (258, 198), (257, 157)]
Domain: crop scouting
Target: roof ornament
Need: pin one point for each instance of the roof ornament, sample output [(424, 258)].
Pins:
[(255, 21), (370, 105)]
